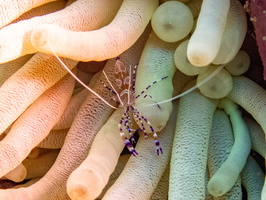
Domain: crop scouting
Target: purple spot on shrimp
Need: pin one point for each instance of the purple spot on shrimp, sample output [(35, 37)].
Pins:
[(144, 119), (159, 151), (127, 143), (145, 135), (157, 143), (134, 152), (132, 139)]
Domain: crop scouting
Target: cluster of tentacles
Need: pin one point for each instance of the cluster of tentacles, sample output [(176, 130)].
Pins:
[(60, 141)]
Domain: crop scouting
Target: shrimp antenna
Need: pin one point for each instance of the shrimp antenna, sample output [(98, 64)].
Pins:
[(72, 74), (129, 85), (193, 88)]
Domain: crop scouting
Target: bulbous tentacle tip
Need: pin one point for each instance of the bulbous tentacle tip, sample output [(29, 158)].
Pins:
[(42, 35), (38, 38)]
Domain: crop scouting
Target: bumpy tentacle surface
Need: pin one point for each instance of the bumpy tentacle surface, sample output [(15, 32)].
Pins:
[(82, 15), (161, 191), (42, 10), (189, 159), (251, 97), (54, 140), (34, 124), (18, 8), (40, 73), (88, 121), (252, 178), (107, 42), (9, 68), (221, 142), (156, 63), (257, 136), (71, 110)]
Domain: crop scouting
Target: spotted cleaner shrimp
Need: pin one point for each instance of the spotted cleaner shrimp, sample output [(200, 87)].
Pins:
[(125, 82)]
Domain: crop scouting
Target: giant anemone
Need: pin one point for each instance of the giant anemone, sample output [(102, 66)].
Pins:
[(188, 85)]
